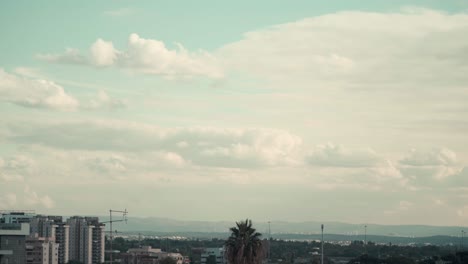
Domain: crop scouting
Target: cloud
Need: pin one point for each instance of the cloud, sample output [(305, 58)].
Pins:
[(403, 206), (28, 91), (354, 77), (103, 53), (424, 166), (35, 93), (12, 169), (328, 46), (203, 146), (331, 155), (29, 72), (434, 157), (458, 178), (27, 198), (8, 201), (31, 198), (148, 56), (102, 100), (70, 56)]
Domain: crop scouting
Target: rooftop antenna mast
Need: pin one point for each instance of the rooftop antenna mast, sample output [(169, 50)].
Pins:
[(111, 231)]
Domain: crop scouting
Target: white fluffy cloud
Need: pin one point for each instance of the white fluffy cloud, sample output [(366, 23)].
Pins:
[(144, 55), (103, 53), (34, 93)]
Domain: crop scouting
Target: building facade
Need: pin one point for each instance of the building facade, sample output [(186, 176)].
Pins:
[(86, 239), (13, 242), (149, 255), (41, 250), (53, 228), (29, 238), (218, 253)]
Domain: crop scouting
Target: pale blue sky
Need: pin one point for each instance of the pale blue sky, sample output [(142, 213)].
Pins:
[(154, 105)]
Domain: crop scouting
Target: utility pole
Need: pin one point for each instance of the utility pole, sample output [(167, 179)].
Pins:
[(269, 242), (322, 245), (365, 238), (111, 235), (461, 244)]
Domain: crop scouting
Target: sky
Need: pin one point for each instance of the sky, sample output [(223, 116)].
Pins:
[(350, 111)]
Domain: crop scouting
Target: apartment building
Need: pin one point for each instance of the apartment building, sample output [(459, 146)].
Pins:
[(13, 242), (41, 250), (86, 239)]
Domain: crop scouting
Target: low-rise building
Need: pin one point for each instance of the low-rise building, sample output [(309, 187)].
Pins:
[(149, 255), (218, 254)]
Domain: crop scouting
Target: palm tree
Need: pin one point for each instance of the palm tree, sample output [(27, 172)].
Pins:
[(244, 246)]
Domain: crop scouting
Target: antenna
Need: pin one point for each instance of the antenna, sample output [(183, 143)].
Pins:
[(111, 236), (322, 245)]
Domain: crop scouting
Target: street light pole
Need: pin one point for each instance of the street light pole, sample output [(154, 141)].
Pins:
[(269, 242), (463, 235), (365, 238), (322, 244)]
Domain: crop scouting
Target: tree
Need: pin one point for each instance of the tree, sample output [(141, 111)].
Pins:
[(244, 245)]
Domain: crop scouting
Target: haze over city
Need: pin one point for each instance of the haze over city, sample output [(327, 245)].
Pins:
[(349, 111)]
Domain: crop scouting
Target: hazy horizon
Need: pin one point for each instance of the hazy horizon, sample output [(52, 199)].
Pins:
[(352, 112)]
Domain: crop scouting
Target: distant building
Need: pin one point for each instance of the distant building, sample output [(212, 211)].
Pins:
[(86, 240), (16, 217), (12, 242), (148, 255), (218, 253), (50, 239)]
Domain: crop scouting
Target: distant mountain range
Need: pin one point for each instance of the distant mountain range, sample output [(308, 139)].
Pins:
[(281, 229)]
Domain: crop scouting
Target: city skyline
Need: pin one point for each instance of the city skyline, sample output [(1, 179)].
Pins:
[(352, 112)]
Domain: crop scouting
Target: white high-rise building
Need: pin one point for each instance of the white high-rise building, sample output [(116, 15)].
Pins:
[(86, 241)]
